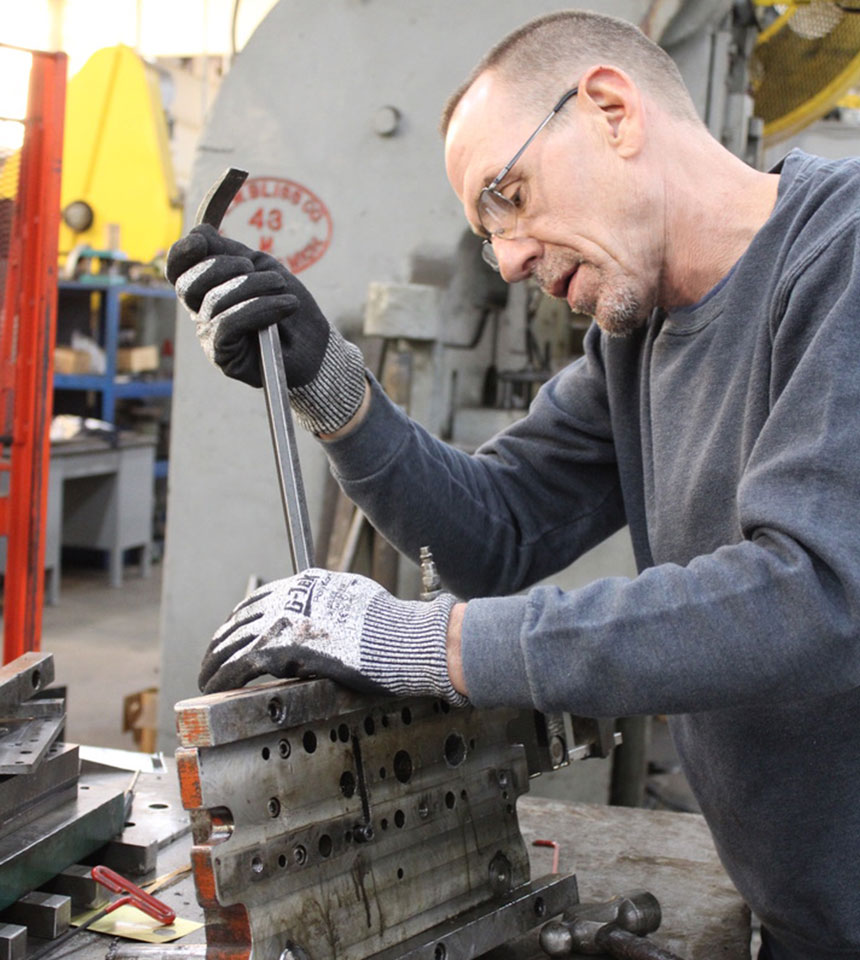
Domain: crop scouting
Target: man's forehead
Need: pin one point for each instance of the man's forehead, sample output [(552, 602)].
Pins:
[(481, 130)]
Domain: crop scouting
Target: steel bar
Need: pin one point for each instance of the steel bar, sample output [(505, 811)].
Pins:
[(211, 211), (286, 452)]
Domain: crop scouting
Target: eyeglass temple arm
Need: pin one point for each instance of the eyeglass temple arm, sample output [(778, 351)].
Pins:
[(506, 170)]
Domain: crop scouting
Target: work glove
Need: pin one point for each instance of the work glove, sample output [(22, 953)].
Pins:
[(232, 292), (338, 625)]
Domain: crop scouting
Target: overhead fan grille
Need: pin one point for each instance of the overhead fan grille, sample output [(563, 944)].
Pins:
[(804, 63)]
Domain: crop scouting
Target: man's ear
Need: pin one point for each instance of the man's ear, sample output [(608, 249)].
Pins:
[(616, 102)]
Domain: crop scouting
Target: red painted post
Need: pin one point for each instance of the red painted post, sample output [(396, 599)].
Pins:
[(27, 337)]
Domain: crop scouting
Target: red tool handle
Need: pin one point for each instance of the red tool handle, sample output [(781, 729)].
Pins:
[(132, 894)]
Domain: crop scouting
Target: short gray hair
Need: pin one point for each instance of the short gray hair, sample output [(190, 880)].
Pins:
[(556, 48)]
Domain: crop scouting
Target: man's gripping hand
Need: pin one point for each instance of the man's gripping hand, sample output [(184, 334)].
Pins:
[(337, 625), (232, 292)]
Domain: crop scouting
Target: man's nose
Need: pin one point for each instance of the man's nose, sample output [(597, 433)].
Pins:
[(517, 257)]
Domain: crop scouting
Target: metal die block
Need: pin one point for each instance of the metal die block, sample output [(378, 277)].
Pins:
[(23, 677), (20, 797), (45, 915), (76, 883), (13, 941), (348, 836), (156, 819)]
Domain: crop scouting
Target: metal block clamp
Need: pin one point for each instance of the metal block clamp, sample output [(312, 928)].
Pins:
[(212, 209)]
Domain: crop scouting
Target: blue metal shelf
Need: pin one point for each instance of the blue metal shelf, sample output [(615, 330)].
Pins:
[(110, 385)]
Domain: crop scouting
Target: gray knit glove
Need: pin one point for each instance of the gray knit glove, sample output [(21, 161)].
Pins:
[(337, 625), (232, 292)]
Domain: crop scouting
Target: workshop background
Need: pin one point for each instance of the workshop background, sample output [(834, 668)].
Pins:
[(333, 108)]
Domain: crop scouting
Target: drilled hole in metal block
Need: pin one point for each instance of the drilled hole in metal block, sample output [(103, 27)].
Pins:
[(257, 864), (455, 749), (382, 773), (383, 823), (406, 716), (400, 873), (384, 719), (276, 710), (300, 855), (347, 783), (450, 800), (284, 748), (309, 741), (540, 907), (399, 818), (440, 952), (369, 726), (403, 766), (343, 733), (325, 845), (265, 753), (332, 735), (282, 861), (36, 678)]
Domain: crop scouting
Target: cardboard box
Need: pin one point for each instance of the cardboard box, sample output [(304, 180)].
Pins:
[(67, 360), (136, 359)]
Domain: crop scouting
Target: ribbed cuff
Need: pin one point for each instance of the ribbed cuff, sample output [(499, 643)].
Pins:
[(331, 399), (404, 646)]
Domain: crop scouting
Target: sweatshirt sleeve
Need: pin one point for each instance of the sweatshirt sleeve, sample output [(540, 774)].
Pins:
[(771, 617), (525, 505)]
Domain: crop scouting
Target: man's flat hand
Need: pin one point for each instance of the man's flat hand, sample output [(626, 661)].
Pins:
[(337, 625)]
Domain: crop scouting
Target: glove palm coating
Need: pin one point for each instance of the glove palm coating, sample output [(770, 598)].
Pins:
[(233, 292), (339, 625)]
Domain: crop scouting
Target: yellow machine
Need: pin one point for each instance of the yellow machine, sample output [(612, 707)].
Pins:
[(118, 190), (805, 63)]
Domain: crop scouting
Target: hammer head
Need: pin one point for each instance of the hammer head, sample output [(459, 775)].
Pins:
[(637, 912)]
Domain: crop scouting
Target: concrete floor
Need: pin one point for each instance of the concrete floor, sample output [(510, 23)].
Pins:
[(105, 646)]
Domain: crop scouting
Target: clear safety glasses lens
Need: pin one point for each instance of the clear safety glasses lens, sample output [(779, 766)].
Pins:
[(496, 213), (488, 254)]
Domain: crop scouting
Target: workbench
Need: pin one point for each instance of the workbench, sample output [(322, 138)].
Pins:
[(612, 850), (100, 496)]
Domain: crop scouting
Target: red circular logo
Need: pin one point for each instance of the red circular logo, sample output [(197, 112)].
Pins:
[(281, 217)]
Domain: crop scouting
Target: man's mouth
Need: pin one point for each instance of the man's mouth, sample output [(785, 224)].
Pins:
[(561, 287)]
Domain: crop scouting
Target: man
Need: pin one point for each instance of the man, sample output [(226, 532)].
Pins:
[(715, 411)]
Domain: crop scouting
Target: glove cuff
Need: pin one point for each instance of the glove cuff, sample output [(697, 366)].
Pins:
[(334, 395), (404, 646)]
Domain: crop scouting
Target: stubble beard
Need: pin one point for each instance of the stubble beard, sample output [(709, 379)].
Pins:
[(614, 306)]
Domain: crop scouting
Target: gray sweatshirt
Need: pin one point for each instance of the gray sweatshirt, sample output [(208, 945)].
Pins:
[(726, 435)]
